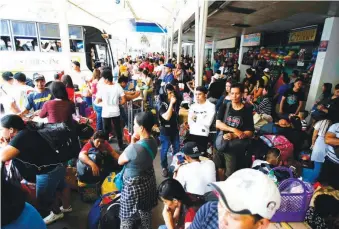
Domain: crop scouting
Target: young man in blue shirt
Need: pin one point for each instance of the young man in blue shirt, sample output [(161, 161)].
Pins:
[(248, 199)]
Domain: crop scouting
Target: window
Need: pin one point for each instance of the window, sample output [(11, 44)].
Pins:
[(49, 37), (25, 36), (5, 39), (76, 38)]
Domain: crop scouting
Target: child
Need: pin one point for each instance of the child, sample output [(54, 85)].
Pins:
[(273, 159)]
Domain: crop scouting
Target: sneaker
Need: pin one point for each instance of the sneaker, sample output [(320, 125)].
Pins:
[(69, 209), (164, 172), (53, 217)]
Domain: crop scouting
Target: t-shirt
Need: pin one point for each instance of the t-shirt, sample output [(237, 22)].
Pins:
[(206, 217), (168, 78), (240, 119), (281, 91), (292, 101), (33, 148), (7, 94), (103, 147), (334, 129), (70, 93), (168, 127), (58, 111), (80, 78), (110, 96), (204, 174), (36, 100), (204, 117), (139, 159), (21, 94)]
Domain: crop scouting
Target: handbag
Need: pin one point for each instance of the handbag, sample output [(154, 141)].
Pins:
[(119, 178), (220, 143)]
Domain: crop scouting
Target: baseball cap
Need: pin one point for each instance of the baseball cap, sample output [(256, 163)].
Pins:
[(37, 76), (192, 149), (249, 192), (169, 66), (7, 76), (266, 70)]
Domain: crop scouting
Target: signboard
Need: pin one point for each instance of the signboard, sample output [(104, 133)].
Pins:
[(252, 39), (307, 35), (323, 46), (208, 45), (226, 44)]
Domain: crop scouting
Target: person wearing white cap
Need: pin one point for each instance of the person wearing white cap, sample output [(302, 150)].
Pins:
[(266, 77), (248, 199)]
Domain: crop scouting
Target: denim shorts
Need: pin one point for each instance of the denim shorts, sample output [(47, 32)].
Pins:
[(47, 185)]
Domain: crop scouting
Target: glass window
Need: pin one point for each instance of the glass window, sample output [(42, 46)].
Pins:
[(26, 44), (50, 45), (49, 30), (75, 32), (24, 29), (76, 45), (5, 39)]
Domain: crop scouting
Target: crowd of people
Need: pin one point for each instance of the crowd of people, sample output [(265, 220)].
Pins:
[(216, 144)]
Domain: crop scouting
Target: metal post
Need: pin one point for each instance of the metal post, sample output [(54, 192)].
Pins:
[(213, 51), (171, 46), (202, 35), (64, 34), (196, 46), (179, 41)]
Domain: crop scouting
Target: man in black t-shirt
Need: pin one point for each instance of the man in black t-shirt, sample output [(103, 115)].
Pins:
[(31, 154), (237, 129), (169, 131), (292, 100)]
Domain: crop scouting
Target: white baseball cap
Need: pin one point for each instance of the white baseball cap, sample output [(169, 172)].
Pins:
[(249, 192), (266, 70)]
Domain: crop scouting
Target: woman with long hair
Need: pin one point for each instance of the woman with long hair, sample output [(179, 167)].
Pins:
[(179, 207), (60, 109), (67, 81), (139, 192)]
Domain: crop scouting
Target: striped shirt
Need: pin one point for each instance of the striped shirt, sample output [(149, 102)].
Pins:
[(264, 107), (330, 150), (322, 126), (206, 217)]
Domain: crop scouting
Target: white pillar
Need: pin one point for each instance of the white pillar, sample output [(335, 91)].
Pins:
[(179, 41), (202, 36), (212, 55), (326, 68), (197, 42), (242, 67), (171, 46), (64, 34)]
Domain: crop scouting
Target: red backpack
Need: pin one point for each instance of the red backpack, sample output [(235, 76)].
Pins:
[(280, 142)]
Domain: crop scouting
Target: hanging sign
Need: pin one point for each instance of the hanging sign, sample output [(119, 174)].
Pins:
[(226, 44), (302, 35), (252, 39)]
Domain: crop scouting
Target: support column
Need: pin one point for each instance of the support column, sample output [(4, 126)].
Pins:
[(179, 41), (196, 45), (212, 55), (171, 46), (64, 34), (242, 67), (326, 68), (202, 36)]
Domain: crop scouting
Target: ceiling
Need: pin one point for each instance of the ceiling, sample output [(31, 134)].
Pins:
[(261, 16)]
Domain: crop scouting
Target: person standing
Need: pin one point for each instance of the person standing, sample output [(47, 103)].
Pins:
[(7, 94), (139, 192), (36, 99), (200, 118), (67, 81), (169, 131), (79, 77), (21, 90), (293, 100), (109, 95)]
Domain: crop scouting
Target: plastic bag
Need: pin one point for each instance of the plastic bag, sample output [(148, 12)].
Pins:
[(108, 185)]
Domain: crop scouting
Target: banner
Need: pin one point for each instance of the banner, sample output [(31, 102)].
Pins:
[(252, 39), (226, 44), (307, 35)]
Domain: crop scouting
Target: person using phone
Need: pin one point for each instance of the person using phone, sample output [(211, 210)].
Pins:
[(195, 175)]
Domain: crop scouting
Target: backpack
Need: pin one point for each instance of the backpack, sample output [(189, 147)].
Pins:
[(85, 171), (280, 142), (62, 140)]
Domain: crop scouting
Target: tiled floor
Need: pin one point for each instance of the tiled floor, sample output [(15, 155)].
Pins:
[(78, 218)]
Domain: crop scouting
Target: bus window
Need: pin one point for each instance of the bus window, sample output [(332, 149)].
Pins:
[(76, 38), (25, 36), (5, 39), (50, 37)]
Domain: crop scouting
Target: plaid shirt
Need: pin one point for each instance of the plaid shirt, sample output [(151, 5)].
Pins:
[(206, 217)]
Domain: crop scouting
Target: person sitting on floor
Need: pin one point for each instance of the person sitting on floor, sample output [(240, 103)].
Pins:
[(90, 167), (273, 159), (204, 171)]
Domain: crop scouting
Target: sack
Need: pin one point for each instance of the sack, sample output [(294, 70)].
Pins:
[(220, 143), (85, 173), (62, 140), (108, 185), (93, 217)]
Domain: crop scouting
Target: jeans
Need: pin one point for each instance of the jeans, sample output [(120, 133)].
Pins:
[(108, 128), (47, 184), (98, 111), (166, 142), (123, 115)]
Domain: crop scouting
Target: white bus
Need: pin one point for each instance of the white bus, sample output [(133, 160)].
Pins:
[(31, 46)]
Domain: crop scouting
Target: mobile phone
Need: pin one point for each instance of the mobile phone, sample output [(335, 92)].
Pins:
[(181, 159)]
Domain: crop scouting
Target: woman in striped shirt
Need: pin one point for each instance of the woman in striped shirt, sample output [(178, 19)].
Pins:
[(265, 104)]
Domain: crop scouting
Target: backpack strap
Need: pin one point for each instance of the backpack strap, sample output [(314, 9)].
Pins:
[(148, 149), (226, 112)]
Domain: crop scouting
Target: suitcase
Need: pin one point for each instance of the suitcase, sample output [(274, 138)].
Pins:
[(132, 108)]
